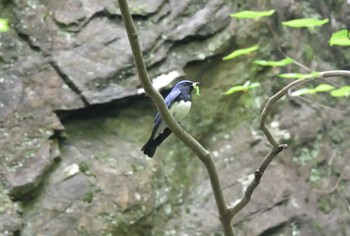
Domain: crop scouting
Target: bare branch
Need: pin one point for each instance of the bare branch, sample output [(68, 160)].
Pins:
[(336, 185), (180, 133), (255, 182), (333, 73), (272, 100), (276, 146), (226, 213)]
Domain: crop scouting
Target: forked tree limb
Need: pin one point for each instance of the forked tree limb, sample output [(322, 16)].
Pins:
[(180, 133), (226, 213), (276, 146)]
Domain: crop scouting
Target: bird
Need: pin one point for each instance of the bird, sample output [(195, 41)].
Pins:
[(179, 102)]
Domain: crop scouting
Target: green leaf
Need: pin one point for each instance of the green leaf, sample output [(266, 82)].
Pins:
[(305, 22), (323, 88), (234, 89), (319, 89), (242, 88), (283, 62), (240, 52), (303, 91), (298, 75), (340, 38), (291, 75), (253, 85), (4, 25), (252, 14), (341, 92)]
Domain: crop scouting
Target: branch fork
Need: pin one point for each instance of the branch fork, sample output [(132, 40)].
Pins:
[(226, 213)]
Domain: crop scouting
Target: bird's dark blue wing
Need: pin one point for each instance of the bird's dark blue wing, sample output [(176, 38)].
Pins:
[(168, 101)]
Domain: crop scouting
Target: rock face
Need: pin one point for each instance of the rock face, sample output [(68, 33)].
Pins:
[(92, 53), (72, 121)]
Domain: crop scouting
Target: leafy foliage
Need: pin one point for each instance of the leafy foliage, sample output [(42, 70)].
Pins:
[(240, 52), (283, 62), (341, 92), (4, 25), (305, 22), (323, 88), (298, 75), (252, 14), (319, 89), (242, 88), (340, 38)]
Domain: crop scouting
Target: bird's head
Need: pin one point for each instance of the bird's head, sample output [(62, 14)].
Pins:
[(186, 85)]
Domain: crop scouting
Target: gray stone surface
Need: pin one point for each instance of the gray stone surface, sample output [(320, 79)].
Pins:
[(81, 172)]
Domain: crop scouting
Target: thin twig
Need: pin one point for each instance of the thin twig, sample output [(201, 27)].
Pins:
[(179, 132), (344, 199), (333, 73), (336, 185), (255, 182), (271, 101), (276, 146)]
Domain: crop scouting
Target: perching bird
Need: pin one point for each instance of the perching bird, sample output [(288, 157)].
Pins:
[(178, 102)]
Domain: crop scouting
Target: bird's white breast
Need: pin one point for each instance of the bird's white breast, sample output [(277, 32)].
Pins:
[(180, 109)]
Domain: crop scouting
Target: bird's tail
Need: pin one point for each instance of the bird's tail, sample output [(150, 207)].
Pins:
[(151, 146)]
